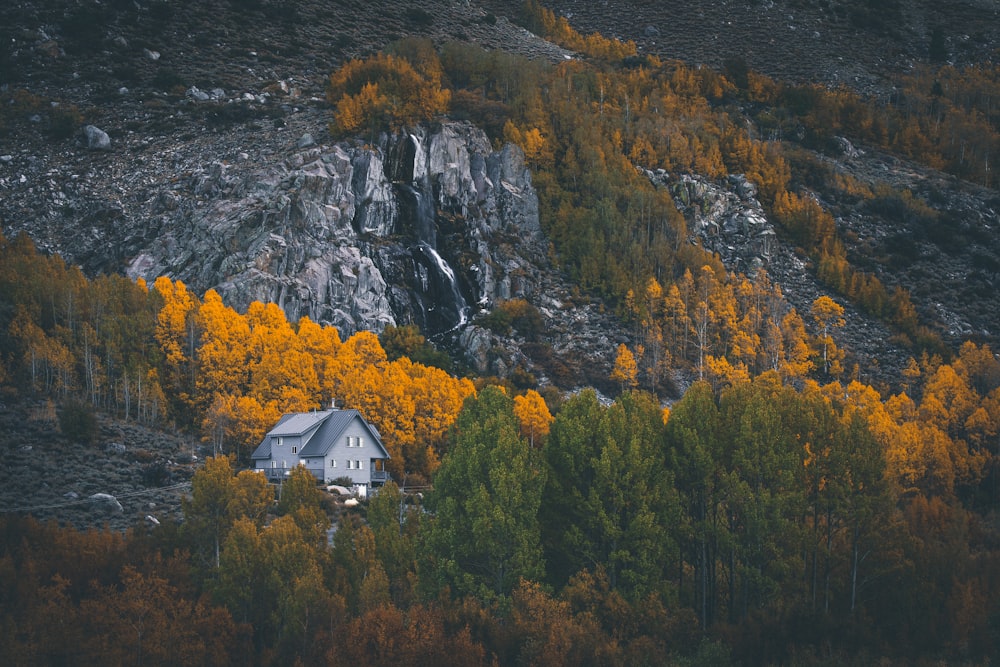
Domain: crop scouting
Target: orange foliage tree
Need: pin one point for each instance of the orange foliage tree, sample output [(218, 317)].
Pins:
[(384, 91)]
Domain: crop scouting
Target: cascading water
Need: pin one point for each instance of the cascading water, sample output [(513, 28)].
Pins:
[(418, 205), (434, 283), (446, 297)]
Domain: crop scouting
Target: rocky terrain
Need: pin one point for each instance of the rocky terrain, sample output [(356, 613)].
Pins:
[(207, 158), (129, 475), (856, 43)]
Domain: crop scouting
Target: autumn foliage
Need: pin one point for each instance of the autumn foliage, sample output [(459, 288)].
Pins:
[(775, 489), (164, 354), (782, 511), (384, 91)]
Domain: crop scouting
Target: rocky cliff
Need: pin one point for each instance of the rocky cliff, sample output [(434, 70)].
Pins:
[(431, 226), (411, 230)]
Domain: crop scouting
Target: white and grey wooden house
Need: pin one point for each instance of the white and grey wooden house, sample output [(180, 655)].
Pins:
[(331, 444)]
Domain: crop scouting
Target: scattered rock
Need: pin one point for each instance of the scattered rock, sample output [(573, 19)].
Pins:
[(305, 141), (847, 149), (106, 502), (197, 95), (151, 55), (97, 139)]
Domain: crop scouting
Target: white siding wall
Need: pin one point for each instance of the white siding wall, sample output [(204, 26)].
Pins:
[(347, 458), (282, 454)]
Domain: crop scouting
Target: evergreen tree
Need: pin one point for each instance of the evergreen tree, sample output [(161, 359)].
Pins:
[(484, 537)]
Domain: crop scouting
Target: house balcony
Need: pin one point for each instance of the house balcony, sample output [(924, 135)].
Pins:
[(381, 476)]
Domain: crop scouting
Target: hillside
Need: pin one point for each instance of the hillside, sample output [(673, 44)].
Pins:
[(681, 348), (203, 103)]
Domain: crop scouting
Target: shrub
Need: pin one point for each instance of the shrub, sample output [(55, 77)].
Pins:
[(64, 121), (78, 423), (156, 475)]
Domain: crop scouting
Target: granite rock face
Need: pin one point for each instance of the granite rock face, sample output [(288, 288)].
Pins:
[(427, 227), (725, 216)]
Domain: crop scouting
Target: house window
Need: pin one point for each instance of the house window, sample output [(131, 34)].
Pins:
[(279, 441), (274, 464), (357, 464), (295, 450), (350, 464), (361, 442), (350, 441)]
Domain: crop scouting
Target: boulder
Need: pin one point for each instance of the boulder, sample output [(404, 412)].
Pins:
[(197, 95), (105, 502), (96, 138)]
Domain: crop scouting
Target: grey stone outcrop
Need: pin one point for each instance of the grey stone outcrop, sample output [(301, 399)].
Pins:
[(96, 138), (405, 231)]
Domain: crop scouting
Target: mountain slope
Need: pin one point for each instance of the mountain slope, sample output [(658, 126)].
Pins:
[(188, 90)]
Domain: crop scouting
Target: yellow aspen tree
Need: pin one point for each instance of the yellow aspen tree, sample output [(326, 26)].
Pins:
[(626, 371), (223, 354), (722, 374), (322, 344), (910, 375), (956, 400), (279, 368), (178, 336), (437, 399), (173, 322), (676, 321), (827, 315), (797, 361), (533, 415)]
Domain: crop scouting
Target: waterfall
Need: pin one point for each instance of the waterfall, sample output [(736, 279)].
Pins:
[(418, 207), (433, 283), (446, 297)]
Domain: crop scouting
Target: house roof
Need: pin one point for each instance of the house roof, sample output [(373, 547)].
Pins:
[(331, 425), (298, 423)]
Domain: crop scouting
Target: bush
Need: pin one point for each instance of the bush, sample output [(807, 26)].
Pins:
[(419, 17), (78, 423), (156, 475), (64, 121)]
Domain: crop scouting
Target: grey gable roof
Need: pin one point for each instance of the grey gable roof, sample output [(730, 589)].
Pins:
[(331, 423), (333, 427), (263, 450), (297, 423)]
